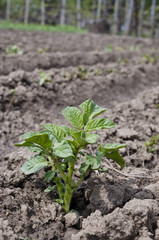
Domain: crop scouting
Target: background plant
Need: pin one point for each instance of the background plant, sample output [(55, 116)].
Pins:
[(60, 147), (44, 77), (154, 140), (14, 50)]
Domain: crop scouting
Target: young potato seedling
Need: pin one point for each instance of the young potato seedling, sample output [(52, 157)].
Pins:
[(44, 78), (154, 140), (60, 147), (14, 50)]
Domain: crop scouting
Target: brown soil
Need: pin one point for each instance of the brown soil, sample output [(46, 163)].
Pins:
[(111, 207)]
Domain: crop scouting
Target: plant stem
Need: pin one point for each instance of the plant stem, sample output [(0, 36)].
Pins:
[(83, 176), (67, 198), (63, 175)]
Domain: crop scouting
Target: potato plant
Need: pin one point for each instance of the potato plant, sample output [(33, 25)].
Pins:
[(14, 50), (60, 147), (44, 78), (154, 140)]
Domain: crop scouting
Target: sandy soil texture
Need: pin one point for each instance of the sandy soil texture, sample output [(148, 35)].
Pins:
[(120, 73)]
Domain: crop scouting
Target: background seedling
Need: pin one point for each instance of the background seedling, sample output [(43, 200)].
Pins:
[(134, 48), (42, 50), (119, 48), (108, 48), (14, 50), (60, 147), (97, 72), (82, 73), (150, 59), (44, 78), (122, 60), (110, 70), (12, 98), (151, 144)]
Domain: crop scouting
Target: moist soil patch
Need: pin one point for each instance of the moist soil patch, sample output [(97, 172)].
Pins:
[(115, 206)]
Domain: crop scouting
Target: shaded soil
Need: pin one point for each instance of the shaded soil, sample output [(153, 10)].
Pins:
[(125, 80)]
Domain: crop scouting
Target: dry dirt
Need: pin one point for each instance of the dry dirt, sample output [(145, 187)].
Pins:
[(112, 206)]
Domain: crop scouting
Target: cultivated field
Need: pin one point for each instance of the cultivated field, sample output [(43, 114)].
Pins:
[(119, 73)]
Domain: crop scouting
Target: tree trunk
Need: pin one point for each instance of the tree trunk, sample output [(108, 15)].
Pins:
[(127, 3), (157, 31), (63, 10), (26, 16), (120, 16), (8, 9), (105, 9), (98, 14), (141, 17), (136, 17), (129, 18), (78, 13), (152, 18), (117, 16), (42, 12)]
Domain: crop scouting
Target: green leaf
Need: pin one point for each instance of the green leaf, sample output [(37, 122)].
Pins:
[(28, 135), (74, 116), (83, 168), (41, 139), (63, 149), (90, 110), (99, 123), (49, 189), (35, 149), (78, 138), (51, 136), (94, 161), (55, 130), (67, 130), (34, 164), (49, 175), (112, 146), (84, 139), (23, 144), (103, 169), (81, 153), (91, 138), (115, 155), (59, 201)]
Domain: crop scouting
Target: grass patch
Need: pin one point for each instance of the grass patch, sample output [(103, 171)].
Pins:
[(38, 27)]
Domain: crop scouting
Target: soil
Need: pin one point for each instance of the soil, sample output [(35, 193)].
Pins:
[(125, 80)]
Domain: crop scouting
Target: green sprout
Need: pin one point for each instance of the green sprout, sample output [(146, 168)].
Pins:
[(108, 48), (118, 48), (82, 73), (122, 60), (42, 50), (13, 94), (14, 50), (97, 72), (61, 147), (110, 70), (134, 48), (150, 144), (150, 59), (44, 77)]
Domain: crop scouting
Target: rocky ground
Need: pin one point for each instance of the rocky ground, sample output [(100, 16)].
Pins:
[(120, 73)]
